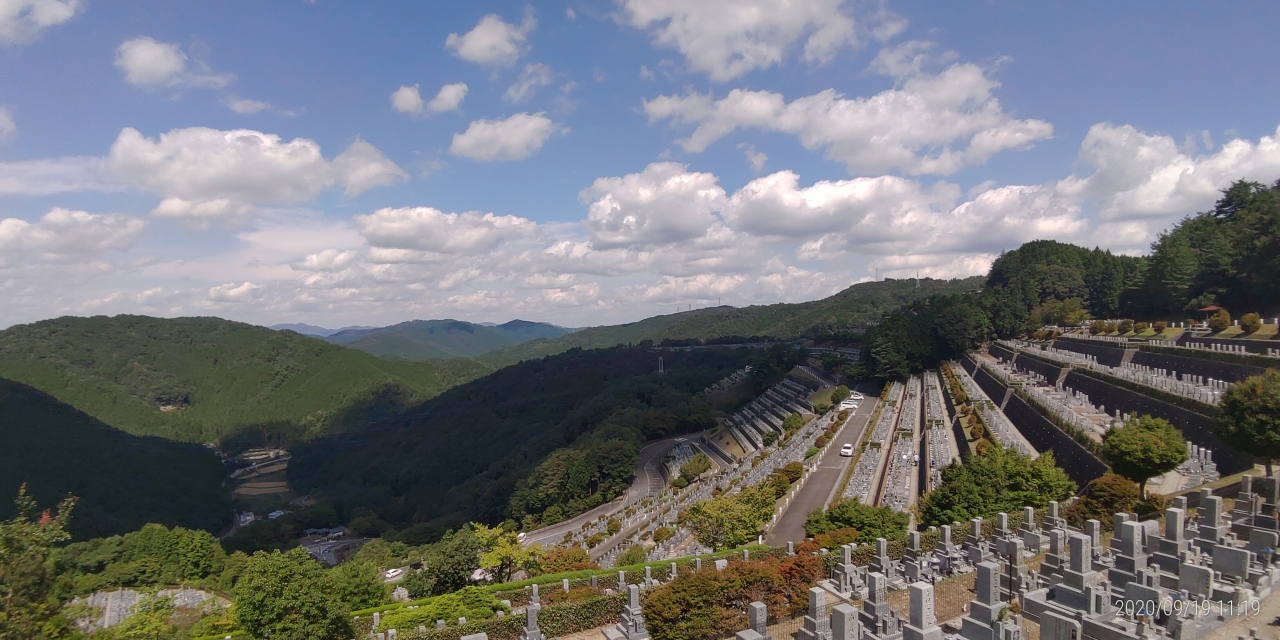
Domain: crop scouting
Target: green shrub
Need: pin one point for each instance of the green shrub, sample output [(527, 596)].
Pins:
[(1220, 320), (1160, 326), (1250, 322), (635, 554), (472, 603)]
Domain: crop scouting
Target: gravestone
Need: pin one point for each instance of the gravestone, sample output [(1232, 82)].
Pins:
[(816, 624)]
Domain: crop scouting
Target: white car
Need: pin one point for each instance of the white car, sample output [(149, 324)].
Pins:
[(847, 450)]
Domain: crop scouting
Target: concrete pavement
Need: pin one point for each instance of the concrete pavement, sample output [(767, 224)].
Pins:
[(822, 485)]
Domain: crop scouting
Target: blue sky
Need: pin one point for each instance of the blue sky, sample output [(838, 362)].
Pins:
[(594, 162)]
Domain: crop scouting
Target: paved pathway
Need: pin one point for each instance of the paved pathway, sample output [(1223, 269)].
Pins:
[(819, 489), (648, 482)]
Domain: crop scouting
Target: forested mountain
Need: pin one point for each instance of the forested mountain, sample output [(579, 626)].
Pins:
[(428, 339), (123, 481), (462, 455), (206, 379), (852, 308), (1228, 256), (313, 330)]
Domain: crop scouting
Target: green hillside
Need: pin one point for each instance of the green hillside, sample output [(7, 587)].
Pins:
[(206, 379), (122, 481), (854, 307), (429, 339), (462, 455)]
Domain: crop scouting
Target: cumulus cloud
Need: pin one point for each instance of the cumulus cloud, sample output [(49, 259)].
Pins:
[(931, 124), (69, 235), (245, 106), (149, 63), (22, 21), (243, 166), (431, 230), (200, 215), (493, 42), (407, 99), (533, 76), (662, 204), (728, 38), (362, 167), (515, 138), (232, 292), (449, 98)]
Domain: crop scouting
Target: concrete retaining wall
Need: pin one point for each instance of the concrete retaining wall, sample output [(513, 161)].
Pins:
[(1228, 371), (1077, 461), (992, 387), (1106, 355), (1199, 429), (1001, 352), (1252, 346), (1052, 373)]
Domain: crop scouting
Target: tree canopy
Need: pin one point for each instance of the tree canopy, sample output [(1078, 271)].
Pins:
[(1250, 419), (1144, 448), (870, 522), (28, 608), (994, 481), (289, 596)]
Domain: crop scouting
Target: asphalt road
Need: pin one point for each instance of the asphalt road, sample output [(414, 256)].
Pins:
[(818, 490), (648, 481)]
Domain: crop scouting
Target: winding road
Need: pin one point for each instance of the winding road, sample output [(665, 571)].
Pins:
[(648, 481)]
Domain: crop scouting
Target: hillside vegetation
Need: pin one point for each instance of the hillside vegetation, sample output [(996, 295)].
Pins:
[(576, 418), (123, 481), (427, 339), (1229, 255), (853, 308), (206, 379)]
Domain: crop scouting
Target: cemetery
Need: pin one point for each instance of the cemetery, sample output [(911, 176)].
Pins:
[(1180, 578)]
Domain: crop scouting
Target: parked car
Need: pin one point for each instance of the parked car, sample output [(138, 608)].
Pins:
[(847, 450)]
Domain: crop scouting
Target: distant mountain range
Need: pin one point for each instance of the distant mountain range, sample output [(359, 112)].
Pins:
[(851, 309), (312, 330), (419, 340)]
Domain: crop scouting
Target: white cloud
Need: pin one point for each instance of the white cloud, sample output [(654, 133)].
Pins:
[(431, 230), (406, 99), (7, 126), (69, 235), (662, 204), (200, 215), (645, 73), (533, 76), (493, 42), (449, 98), (148, 63), (243, 166), (728, 38), (245, 106), (362, 167), (330, 260), (232, 292), (22, 21), (59, 175), (911, 128), (515, 138), (754, 158)]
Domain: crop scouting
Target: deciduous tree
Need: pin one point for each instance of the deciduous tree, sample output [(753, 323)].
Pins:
[(1144, 448), (1250, 418), (289, 596), (27, 606)]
